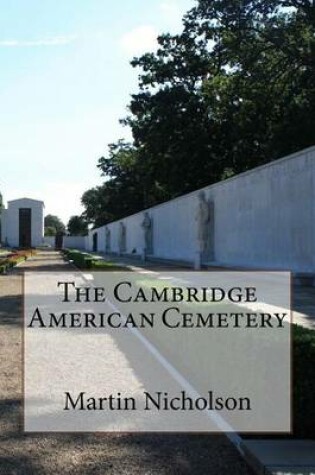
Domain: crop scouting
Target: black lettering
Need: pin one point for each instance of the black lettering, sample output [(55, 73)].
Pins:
[(37, 318), (66, 289)]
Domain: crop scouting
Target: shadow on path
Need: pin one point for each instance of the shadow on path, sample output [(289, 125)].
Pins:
[(85, 454), (88, 454), (11, 310)]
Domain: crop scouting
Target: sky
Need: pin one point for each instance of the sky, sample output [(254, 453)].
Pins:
[(65, 81)]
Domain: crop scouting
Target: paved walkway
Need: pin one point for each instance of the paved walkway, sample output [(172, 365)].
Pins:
[(86, 454), (271, 457), (303, 297)]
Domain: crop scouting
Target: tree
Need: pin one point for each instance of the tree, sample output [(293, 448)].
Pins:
[(232, 91), (223, 94), (50, 231), (264, 89), (169, 116), (124, 192), (53, 225), (77, 226)]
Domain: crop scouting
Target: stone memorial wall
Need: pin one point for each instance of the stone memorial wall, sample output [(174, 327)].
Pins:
[(264, 218)]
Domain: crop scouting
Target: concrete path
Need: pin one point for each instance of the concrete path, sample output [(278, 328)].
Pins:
[(272, 457), (303, 297), (86, 454)]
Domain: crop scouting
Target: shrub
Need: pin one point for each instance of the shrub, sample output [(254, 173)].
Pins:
[(80, 259), (107, 266), (13, 259), (303, 382), (84, 260), (303, 386)]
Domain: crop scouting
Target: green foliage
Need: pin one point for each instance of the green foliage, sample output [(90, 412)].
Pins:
[(53, 225), (78, 258), (50, 231), (13, 259), (122, 193), (107, 266), (303, 382), (263, 88), (84, 260), (77, 226), (232, 91)]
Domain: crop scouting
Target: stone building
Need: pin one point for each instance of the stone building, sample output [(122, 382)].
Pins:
[(22, 223)]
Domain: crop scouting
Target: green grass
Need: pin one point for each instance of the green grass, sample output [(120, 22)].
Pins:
[(85, 260), (107, 266)]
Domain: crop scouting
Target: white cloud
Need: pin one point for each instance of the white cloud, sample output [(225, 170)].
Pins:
[(170, 8), (53, 41), (140, 40), (173, 12), (64, 199)]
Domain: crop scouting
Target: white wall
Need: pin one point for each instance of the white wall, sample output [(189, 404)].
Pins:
[(49, 241), (10, 232), (262, 218), (75, 242)]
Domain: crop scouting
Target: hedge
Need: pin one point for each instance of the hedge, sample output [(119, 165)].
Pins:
[(84, 260), (13, 259), (303, 382)]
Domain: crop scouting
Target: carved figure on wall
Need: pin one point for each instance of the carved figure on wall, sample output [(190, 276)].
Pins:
[(147, 225), (122, 238), (107, 241), (203, 217)]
